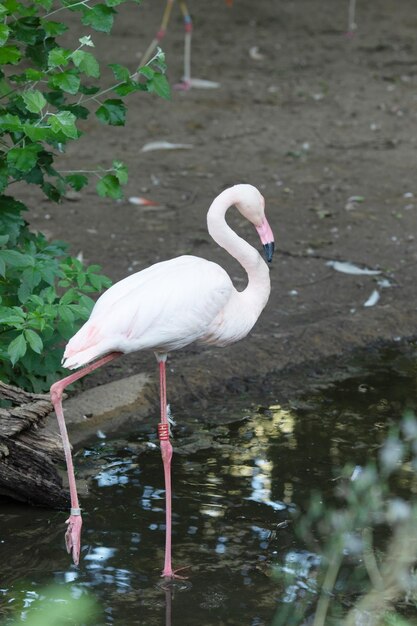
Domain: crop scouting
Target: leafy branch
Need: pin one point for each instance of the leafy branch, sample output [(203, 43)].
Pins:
[(45, 90)]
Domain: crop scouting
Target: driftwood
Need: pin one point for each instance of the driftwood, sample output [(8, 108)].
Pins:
[(27, 452)]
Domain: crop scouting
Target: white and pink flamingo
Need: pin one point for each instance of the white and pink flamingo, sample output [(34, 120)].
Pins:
[(168, 306)]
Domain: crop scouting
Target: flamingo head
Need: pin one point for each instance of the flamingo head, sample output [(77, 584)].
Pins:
[(251, 204)]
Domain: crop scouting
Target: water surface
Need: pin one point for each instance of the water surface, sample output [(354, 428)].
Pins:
[(235, 488)]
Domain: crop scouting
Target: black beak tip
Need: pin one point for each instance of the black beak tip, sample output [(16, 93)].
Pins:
[(269, 251)]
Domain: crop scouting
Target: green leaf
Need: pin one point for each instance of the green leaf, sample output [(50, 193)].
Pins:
[(34, 100), (51, 191), (10, 123), (7, 312), (34, 340), (88, 303), (86, 63), (9, 317), (31, 276), (26, 29), (79, 111), (48, 274), (147, 72), (17, 348), (160, 86), (89, 91), (86, 41), (120, 72), (4, 239), (109, 186), (16, 259), (65, 313), (49, 294), (96, 281), (127, 88), (53, 29), (120, 171), (4, 34), (24, 159), (64, 122), (32, 74), (11, 205), (113, 112), (77, 181), (10, 55), (67, 81), (23, 292), (58, 57), (81, 279), (68, 297), (99, 17), (37, 133)]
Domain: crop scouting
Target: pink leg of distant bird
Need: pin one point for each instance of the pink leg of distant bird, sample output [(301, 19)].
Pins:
[(186, 84), (73, 534), (166, 452)]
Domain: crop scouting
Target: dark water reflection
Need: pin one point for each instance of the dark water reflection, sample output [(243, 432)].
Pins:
[(235, 487)]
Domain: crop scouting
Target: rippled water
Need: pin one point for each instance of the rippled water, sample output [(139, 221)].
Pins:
[(234, 489)]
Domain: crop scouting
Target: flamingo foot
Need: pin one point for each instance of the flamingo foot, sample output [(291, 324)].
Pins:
[(172, 573), (73, 537), (197, 83), (184, 85)]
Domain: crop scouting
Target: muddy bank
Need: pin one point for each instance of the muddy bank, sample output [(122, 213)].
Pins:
[(324, 125)]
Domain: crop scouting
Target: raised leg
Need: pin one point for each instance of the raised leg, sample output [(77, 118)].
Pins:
[(160, 34), (73, 534)]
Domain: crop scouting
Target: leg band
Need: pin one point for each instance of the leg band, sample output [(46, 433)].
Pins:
[(75, 511), (163, 431)]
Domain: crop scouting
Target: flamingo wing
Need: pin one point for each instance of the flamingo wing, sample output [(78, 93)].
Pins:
[(163, 307)]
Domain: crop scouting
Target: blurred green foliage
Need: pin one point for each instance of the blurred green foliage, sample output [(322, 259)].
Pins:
[(56, 606), (366, 546)]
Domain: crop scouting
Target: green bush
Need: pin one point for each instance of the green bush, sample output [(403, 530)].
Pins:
[(44, 90)]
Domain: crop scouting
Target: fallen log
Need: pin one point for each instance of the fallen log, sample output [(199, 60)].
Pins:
[(27, 453)]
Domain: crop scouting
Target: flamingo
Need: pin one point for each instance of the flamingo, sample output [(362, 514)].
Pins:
[(165, 307), (187, 82)]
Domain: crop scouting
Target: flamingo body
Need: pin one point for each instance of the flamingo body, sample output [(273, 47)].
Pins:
[(165, 307)]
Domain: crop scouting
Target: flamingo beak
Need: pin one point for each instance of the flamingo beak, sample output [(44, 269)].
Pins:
[(269, 251), (267, 238)]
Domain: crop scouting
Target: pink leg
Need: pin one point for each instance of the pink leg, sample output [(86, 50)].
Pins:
[(166, 452), (186, 84), (73, 534)]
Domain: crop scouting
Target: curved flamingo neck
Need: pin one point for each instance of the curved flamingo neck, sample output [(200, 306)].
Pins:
[(222, 234), (259, 285)]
